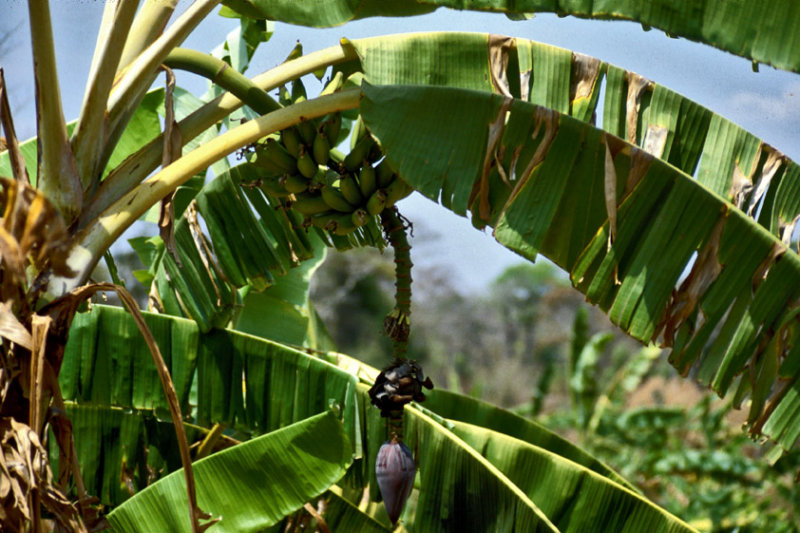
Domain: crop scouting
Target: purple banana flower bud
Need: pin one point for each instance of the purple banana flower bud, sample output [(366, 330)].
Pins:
[(395, 469)]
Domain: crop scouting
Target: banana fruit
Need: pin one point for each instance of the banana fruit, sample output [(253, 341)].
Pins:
[(322, 187)]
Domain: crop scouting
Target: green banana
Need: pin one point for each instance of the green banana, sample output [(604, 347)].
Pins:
[(375, 153), (334, 198), (291, 141), (284, 97), (333, 127), (324, 219), (367, 179), (334, 85), (337, 156), (294, 183), (277, 154), (359, 152), (307, 131), (385, 174), (360, 217), (271, 186), (298, 91), (305, 163), (359, 130), (350, 190), (321, 149), (310, 204), (262, 161), (376, 202), (396, 191), (336, 223), (344, 225)]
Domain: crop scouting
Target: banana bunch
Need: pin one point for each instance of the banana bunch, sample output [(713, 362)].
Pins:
[(335, 192)]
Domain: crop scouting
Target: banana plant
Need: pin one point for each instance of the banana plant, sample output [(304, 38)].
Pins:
[(498, 127), (316, 411)]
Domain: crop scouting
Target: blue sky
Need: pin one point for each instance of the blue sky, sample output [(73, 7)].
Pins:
[(767, 103)]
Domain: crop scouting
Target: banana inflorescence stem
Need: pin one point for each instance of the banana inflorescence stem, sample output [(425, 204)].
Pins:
[(397, 323)]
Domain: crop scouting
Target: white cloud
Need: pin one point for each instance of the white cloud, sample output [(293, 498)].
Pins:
[(783, 105)]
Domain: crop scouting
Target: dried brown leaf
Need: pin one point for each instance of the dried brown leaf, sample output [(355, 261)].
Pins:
[(203, 249), (9, 142), (40, 398), (640, 164), (30, 219), (480, 188), (637, 85), (610, 191), (499, 48), (26, 474), (655, 140), (773, 163), (684, 300), (546, 123), (777, 250), (740, 188), (585, 73), (173, 144), (12, 329), (787, 230)]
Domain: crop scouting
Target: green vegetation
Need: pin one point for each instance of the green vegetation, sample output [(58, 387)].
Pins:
[(225, 406)]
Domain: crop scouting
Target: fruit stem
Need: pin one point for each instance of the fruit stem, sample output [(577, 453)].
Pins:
[(397, 323)]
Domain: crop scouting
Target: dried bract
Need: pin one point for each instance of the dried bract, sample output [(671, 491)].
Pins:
[(398, 384)]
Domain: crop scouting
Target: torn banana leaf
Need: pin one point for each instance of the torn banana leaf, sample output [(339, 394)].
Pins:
[(722, 156), (250, 486), (253, 387), (248, 384), (666, 257), (233, 235), (743, 28)]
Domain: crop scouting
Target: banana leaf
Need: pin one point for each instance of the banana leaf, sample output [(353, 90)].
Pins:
[(251, 238), (743, 28), (460, 408), (144, 126), (255, 387), (250, 486), (628, 227), (533, 471), (722, 156), (341, 515)]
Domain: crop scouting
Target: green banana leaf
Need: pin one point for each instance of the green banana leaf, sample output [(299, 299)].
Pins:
[(460, 408), (722, 156), (250, 486), (284, 312), (746, 29), (119, 450), (625, 224), (251, 239), (532, 468), (254, 387), (143, 127), (341, 515)]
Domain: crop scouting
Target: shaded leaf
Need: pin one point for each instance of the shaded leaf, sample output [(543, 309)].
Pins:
[(250, 486)]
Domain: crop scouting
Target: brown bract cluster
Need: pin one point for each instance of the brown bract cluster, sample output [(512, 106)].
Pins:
[(398, 384)]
